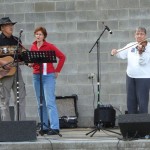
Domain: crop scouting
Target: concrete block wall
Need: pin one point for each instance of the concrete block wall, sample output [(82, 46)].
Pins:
[(74, 26)]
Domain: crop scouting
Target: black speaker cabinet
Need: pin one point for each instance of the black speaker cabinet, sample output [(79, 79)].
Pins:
[(134, 125), (13, 131), (105, 115), (67, 110)]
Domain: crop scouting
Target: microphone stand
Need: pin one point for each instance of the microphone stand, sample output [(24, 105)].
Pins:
[(99, 124), (98, 64), (16, 60)]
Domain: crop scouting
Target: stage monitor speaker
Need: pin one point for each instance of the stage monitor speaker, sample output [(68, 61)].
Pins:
[(13, 131), (134, 125), (105, 115)]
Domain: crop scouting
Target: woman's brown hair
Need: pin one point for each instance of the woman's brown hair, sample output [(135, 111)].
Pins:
[(42, 29)]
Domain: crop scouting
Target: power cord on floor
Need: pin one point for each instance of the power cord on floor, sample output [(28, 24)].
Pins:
[(49, 141)]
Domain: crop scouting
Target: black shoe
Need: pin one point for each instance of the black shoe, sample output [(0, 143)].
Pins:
[(53, 132), (43, 131)]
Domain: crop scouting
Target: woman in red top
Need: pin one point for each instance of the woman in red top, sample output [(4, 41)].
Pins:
[(49, 75)]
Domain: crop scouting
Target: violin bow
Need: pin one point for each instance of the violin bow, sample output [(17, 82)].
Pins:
[(122, 49)]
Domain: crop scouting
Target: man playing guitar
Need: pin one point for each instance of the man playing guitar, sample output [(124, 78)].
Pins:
[(8, 74)]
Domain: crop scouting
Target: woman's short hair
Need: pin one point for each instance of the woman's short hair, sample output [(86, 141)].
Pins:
[(42, 29), (141, 29)]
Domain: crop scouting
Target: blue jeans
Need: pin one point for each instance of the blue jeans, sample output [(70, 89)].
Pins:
[(49, 107)]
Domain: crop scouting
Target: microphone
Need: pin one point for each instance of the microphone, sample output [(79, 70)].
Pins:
[(107, 28), (21, 30)]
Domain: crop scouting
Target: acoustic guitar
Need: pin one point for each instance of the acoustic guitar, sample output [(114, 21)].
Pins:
[(7, 67)]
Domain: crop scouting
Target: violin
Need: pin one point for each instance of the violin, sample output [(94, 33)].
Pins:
[(141, 50), (141, 47)]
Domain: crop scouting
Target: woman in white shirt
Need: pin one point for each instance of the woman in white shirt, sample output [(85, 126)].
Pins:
[(138, 72)]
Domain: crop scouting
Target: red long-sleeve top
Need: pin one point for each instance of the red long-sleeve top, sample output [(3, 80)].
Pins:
[(48, 67)]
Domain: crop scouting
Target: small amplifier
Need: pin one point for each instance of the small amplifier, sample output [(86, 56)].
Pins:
[(105, 115)]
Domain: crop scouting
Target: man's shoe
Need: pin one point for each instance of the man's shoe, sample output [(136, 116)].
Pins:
[(53, 132)]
